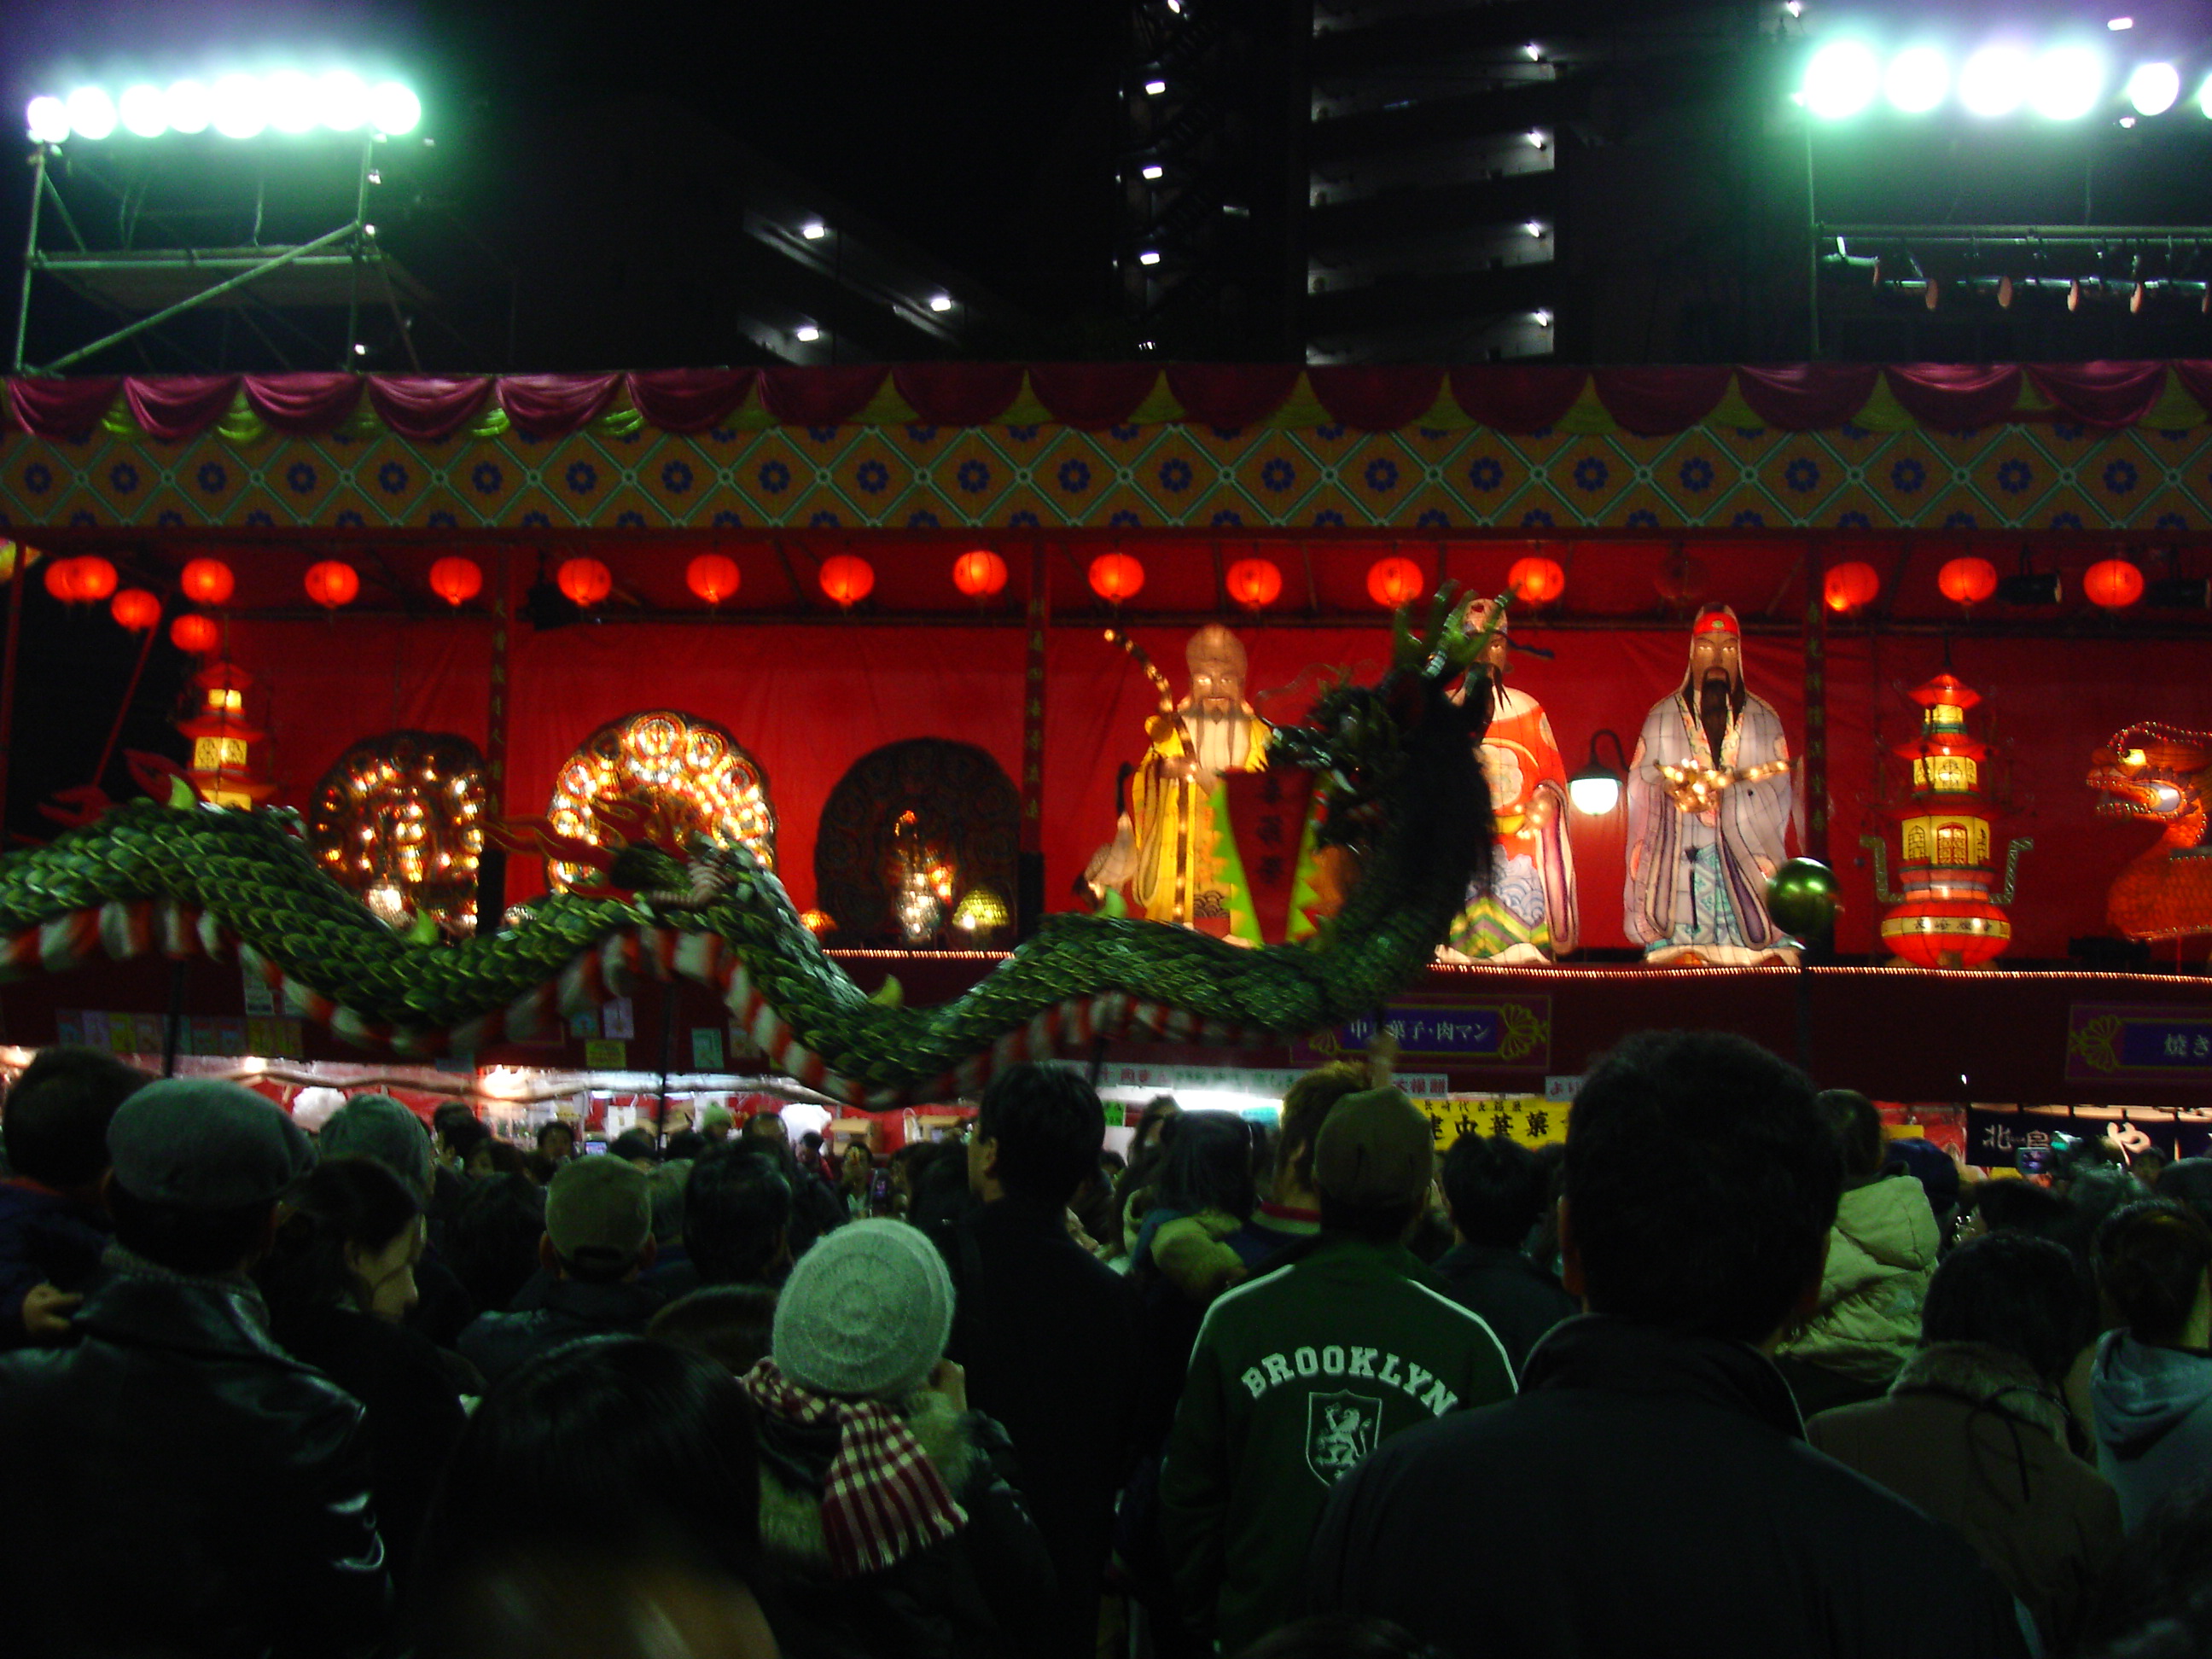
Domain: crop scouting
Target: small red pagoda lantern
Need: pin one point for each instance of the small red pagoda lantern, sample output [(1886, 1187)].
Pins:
[(223, 760), (1950, 913)]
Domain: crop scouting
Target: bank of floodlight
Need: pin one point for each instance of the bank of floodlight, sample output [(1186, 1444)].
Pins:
[(2154, 88), (288, 102), (2204, 97), (1994, 82), (1841, 80), (2066, 83), (1916, 80)]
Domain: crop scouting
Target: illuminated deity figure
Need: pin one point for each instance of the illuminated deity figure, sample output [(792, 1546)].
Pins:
[(1528, 912), (1710, 807), (1174, 856)]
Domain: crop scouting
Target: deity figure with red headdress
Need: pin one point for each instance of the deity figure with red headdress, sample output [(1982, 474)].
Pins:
[(1711, 809)]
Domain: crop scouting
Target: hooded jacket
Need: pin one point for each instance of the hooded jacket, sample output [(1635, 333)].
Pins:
[(2154, 1412), (1971, 1435), (984, 1593), (1881, 1253)]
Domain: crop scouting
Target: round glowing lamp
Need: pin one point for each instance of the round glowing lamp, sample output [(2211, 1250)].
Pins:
[(1252, 583), (61, 580), (207, 581), (194, 633), (1994, 82), (713, 577), (1849, 587), (1536, 581), (332, 583), (2154, 88), (237, 107), (979, 573), (46, 120), (292, 101), (94, 580), (1393, 581), (91, 112), (1841, 80), (1115, 577), (456, 581), (188, 106), (1967, 581), (135, 609), (2066, 83), (1916, 80), (392, 109), (2112, 584), (144, 111), (585, 581), (342, 101), (848, 579)]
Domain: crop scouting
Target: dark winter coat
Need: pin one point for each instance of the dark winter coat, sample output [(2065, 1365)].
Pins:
[(1646, 1493), (985, 1593), (2154, 1412), (1514, 1297), (1970, 1436), (45, 1239), (550, 1311)]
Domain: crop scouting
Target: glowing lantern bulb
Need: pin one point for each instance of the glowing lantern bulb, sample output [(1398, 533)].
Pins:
[(208, 581), (456, 581), (1254, 582), (714, 577), (1391, 582), (1115, 577), (979, 573)]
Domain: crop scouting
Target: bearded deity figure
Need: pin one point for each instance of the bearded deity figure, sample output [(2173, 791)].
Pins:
[(1711, 808), (1527, 912), (1174, 857)]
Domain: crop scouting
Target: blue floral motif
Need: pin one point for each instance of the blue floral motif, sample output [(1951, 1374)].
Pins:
[(1124, 434), (1022, 435), (1854, 520), (1541, 432), (726, 520), (1802, 474), (922, 518), (487, 477), (1227, 516), (923, 434), (1381, 474), (1278, 474), (1023, 519), (1960, 519), (123, 477), (2171, 521), (1329, 518), (82, 519), (822, 435), (1748, 520), (299, 477), (1697, 473), (1907, 473), (1174, 474), (775, 477), (535, 519), (873, 477), (676, 476), (1433, 518), (1226, 432), (1536, 517), (2066, 521), (1329, 431), (391, 477), (724, 434), (1750, 432), (824, 519), (2067, 433), (211, 476), (1124, 519), (256, 520), (1074, 476), (2172, 437), (1591, 473), (38, 478), (1642, 519), (169, 518), (1486, 472), (2014, 475), (2120, 475), (582, 477), (441, 519), (972, 476), (1854, 432)]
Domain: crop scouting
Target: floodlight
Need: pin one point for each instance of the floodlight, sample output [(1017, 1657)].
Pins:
[(814, 230), (2154, 88), (806, 333), (2066, 83), (144, 111), (237, 107), (1841, 80), (1151, 256), (1543, 319), (291, 97), (344, 100), (91, 112), (1593, 793), (1156, 171), (2118, 23), (940, 303), (392, 109), (2204, 97), (189, 106), (47, 120), (1994, 81), (1918, 80), (1535, 228), (1154, 89)]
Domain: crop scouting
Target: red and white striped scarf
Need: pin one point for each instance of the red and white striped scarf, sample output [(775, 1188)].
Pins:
[(883, 1499)]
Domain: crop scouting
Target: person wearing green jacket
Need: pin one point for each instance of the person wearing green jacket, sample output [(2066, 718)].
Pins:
[(1299, 1374)]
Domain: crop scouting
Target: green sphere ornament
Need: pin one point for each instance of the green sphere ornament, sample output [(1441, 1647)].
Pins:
[(1801, 898)]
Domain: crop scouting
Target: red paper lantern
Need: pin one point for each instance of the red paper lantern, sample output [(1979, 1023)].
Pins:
[(208, 581), (2112, 584), (194, 633), (714, 577), (1967, 581), (456, 581), (95, 580), (1115, 577), (136, 609), (332, 583), (1254, 582), (1849, 587), (1536, 581), (61, 580), (1392, 582), (585, 581), (848, 579), (979, 573)]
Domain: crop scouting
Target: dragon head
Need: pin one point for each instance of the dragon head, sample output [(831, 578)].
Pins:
[(2152, 771)]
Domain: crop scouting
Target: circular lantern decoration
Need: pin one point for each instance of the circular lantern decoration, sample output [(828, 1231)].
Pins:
[(979, 573), (1393, 581), (332, 583), (848, 579), (2112, 584), (1849, 587), (1254, 582), (61, 580), (401, 815), (1967, 581), (686, 776), (585, 581), (1115, 577), (713, 576), (1681, 580), (1536, 581), (456, 581), (136, 609), (95, 580), (194, 633), (208, 581)]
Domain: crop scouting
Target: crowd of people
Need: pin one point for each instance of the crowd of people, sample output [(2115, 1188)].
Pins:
[(1732, 1372)]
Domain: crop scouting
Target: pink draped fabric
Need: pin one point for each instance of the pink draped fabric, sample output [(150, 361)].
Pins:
[(689, 400), (553, 405), (1230, 394), (1806, 396), (959, 394), (1376, 399), (173, 407), (1955, 396), (1093, 396), (1652, 402), (303, 404), (2101, 394), (820, 397), (428, 409), (1518, 396), (67, 410)]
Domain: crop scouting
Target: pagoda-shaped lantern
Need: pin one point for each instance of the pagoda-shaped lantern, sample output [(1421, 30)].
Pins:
[(1950, 910), (225, 767)]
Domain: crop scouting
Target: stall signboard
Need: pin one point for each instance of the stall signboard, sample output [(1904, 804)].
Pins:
[(1506, 1030), (1166, 1077), (270, 1036), (1995, 1139), (2138, 1042), (1531, 1120)]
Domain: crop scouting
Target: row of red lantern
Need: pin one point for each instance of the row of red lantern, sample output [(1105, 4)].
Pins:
[(2110, 584)]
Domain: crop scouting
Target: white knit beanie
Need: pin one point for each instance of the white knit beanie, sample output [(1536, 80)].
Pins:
[(866, 1314)]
